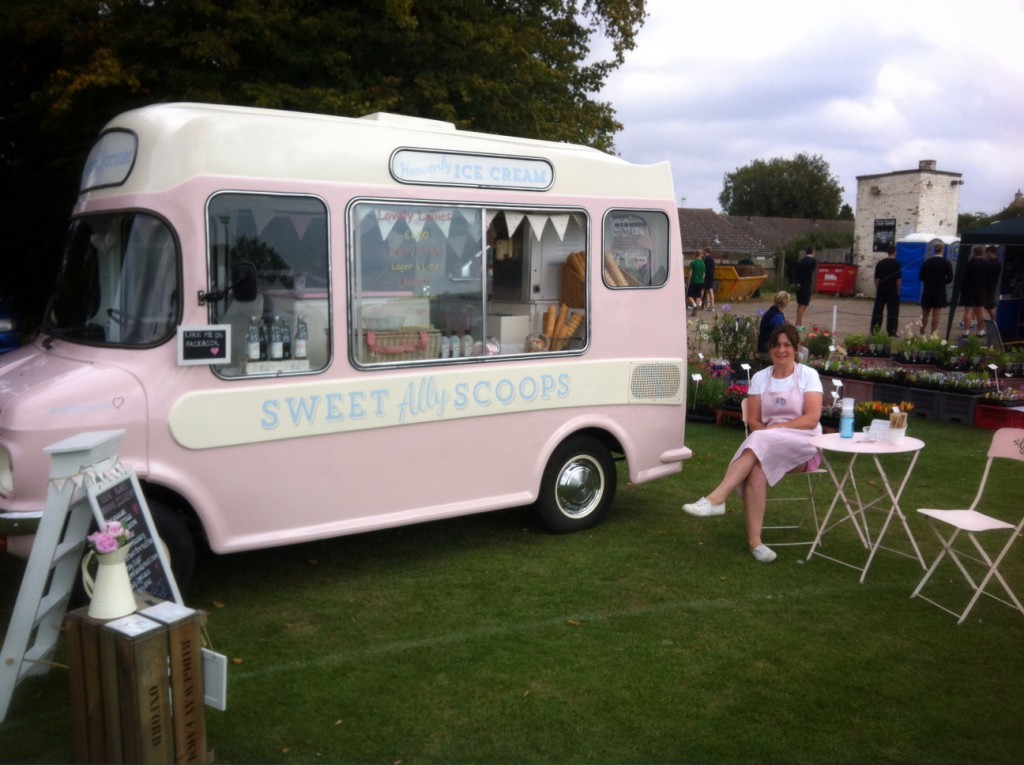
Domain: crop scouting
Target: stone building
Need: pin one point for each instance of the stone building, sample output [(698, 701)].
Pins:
[(892, 205)]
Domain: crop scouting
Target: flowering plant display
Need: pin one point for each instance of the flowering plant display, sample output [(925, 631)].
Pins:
[(698, 334), (819, 343), (866, 411), (112, 536), (881, 410), (707, 395), (1008, 396), (735, 393), (734, 337), (856, 345)]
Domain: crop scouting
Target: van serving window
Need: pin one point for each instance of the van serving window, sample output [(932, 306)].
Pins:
[(435, 283), (285, 329)]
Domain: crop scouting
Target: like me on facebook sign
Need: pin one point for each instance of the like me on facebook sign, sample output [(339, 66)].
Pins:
[(208, 344)]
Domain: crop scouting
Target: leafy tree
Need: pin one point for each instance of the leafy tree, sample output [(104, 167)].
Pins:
[(802, 187), (965, 221), (518, 67)]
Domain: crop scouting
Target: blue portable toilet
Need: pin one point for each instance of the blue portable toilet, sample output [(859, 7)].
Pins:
[(911, 252)]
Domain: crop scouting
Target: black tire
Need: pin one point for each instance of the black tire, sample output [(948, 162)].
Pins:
[(577, 487), (177, 540)]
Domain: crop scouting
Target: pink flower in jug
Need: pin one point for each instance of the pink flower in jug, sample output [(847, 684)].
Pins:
[(112, 536)]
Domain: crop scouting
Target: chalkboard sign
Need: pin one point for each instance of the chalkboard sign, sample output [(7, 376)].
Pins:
[(120, 499), (208, 344)]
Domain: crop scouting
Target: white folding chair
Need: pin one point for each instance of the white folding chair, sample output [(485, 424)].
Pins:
[(805, 497), (1007, 443), (996, 340)]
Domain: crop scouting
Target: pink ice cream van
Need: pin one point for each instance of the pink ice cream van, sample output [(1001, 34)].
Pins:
[(310, 326)]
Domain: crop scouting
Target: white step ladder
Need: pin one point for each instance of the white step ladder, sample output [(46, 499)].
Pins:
[(75, 464)]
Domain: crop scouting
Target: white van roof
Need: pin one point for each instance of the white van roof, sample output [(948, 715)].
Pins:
[(181, 141)]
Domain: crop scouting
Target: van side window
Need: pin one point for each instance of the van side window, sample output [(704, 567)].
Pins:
[(454, 284), (635, 248), (119, 282), (285, 239)]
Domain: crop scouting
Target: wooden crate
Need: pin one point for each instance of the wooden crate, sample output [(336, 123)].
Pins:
[(136, 688)]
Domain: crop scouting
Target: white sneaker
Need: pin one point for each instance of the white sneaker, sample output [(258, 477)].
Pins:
[(703, 508), (764, 554)]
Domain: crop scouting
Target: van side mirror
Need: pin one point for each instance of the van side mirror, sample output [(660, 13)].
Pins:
[(243, 286), (243, 281)]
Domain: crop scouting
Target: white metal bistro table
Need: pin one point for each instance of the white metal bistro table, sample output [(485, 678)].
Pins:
[(855, 505)]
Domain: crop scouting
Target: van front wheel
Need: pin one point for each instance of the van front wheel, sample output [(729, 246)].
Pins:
[(577, 487)]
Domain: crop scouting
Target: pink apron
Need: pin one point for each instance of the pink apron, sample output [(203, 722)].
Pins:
[(782, 450)]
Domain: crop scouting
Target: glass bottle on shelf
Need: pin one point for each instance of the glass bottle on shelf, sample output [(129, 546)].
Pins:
[(446, 346), (276, 339), (252, 339), (301, 337), (286, 340), (264, 340)]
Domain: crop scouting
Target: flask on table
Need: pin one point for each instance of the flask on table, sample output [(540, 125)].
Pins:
[(846, 418)]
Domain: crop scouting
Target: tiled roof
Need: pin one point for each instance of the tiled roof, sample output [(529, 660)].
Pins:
[(746, 235)]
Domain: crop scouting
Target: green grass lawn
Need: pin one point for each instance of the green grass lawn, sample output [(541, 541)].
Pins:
[(653, 638)]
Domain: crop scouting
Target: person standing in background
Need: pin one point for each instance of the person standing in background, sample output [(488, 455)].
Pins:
[(708, 298), (973, 290), (993, 272), (772, 319), (888, 280), (804, 276), (695, 291), (935, 273)]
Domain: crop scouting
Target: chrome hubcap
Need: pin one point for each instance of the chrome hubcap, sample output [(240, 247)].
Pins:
[(580, 487)]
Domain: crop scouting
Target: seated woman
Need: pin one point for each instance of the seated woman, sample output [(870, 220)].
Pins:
[(784, 405)]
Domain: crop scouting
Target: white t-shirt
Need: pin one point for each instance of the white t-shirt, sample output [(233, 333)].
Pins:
[(806, 379)]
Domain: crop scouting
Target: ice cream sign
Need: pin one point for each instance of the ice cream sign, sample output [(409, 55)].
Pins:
[(480, 170), (110, 161)]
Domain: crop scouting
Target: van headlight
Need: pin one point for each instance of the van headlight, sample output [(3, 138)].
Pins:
[(6, 473)]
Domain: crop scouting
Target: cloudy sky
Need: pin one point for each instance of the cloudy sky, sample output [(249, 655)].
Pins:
[(872, 86)]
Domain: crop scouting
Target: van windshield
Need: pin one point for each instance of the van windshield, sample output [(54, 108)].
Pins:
[(118, 282)]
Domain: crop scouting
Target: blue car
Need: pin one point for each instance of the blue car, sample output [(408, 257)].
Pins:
[(10, 336)]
